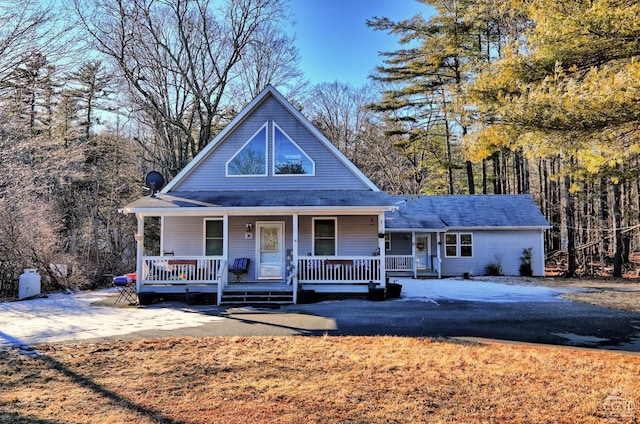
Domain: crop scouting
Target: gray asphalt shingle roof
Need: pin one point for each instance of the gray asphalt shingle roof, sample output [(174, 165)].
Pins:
[(435, 213), (264, 199), (470, 211)]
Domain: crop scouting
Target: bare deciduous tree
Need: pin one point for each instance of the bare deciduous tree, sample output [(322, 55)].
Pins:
[(339, 111), (272, 58), (178, 60)]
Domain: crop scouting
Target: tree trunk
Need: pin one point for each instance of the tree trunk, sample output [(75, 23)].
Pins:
[(484, 176), (604, 219), (496, 173), (569, 220), (617, 218), (472, 185)]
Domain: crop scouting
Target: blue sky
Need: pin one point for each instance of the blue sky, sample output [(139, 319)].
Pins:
[(336, 44)]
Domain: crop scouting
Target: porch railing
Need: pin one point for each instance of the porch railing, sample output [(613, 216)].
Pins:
[(339, 269), (399, 262), (164, 270)]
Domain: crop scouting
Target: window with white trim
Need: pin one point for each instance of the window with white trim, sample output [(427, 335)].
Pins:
[(213, 237), (324, 236), (288, 157), (458, 245), (251, 159)]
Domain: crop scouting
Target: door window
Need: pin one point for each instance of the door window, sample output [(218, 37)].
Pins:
[(270, 250)]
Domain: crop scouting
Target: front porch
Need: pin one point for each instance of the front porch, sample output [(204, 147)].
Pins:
[(408, 266), (164, 275)]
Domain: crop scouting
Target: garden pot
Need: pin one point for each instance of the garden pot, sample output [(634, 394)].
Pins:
[(393, 290), (376, 293), (306, 296)]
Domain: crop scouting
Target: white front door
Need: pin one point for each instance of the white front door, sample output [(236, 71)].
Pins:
[(270, 250), (423, 252)]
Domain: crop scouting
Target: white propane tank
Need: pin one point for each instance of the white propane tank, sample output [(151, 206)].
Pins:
[(29, 285)]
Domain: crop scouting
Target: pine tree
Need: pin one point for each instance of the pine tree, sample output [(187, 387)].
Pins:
[(570, 91), (427, 77)]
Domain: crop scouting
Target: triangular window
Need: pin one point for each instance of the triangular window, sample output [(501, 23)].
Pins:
[(289, 158), (251, 159)]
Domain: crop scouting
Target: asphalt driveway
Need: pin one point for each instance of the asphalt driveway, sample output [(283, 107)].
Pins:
[(532, 318)]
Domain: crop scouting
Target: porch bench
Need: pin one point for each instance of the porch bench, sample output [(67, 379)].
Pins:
[(163, 283), (173, 271), (338, 261), (335, 283), (182, 262)]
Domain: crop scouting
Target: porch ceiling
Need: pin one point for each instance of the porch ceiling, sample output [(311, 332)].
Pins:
[(270, 199)]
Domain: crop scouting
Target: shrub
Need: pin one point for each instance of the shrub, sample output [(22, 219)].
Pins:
[(525, 262), (493, 268)]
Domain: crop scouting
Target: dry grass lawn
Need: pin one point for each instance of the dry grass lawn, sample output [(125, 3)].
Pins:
[(317, 380), (617, 293)]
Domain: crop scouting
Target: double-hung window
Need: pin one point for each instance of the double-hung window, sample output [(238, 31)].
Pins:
[(458, 245), (324, 236), (213, 237)]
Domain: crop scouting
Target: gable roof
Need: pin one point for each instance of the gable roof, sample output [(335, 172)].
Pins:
[(269, 91), (465, 212)]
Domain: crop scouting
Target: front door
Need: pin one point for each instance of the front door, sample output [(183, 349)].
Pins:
[(270, 250), (423, 252)]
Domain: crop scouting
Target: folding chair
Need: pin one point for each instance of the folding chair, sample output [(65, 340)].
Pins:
[(126, 289), (240, 266)]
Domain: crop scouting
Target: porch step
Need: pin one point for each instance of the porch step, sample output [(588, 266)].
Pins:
[(256, 297)]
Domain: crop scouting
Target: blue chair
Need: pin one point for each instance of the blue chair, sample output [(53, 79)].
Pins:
[(240, 266)]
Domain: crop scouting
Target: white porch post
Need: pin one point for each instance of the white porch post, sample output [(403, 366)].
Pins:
[(225, 256), (439, 249), (294, 259), (381, 248), (414, 255), (139, 237), (541, 264)]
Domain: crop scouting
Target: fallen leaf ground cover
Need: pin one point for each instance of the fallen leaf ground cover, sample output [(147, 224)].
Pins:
[(316, 380)]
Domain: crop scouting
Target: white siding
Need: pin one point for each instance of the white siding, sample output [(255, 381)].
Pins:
[(491, 246), (241, 247), (356, 236), (184, 236)]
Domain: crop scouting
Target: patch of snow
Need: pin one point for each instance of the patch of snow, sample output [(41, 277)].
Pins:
[(66, 317), (475, 291), (578, 340)]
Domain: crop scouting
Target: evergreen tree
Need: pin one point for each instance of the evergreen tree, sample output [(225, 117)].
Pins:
[(429, 75), (572, 91)]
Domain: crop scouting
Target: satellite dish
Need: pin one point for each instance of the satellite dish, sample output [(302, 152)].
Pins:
[(154, 181)]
